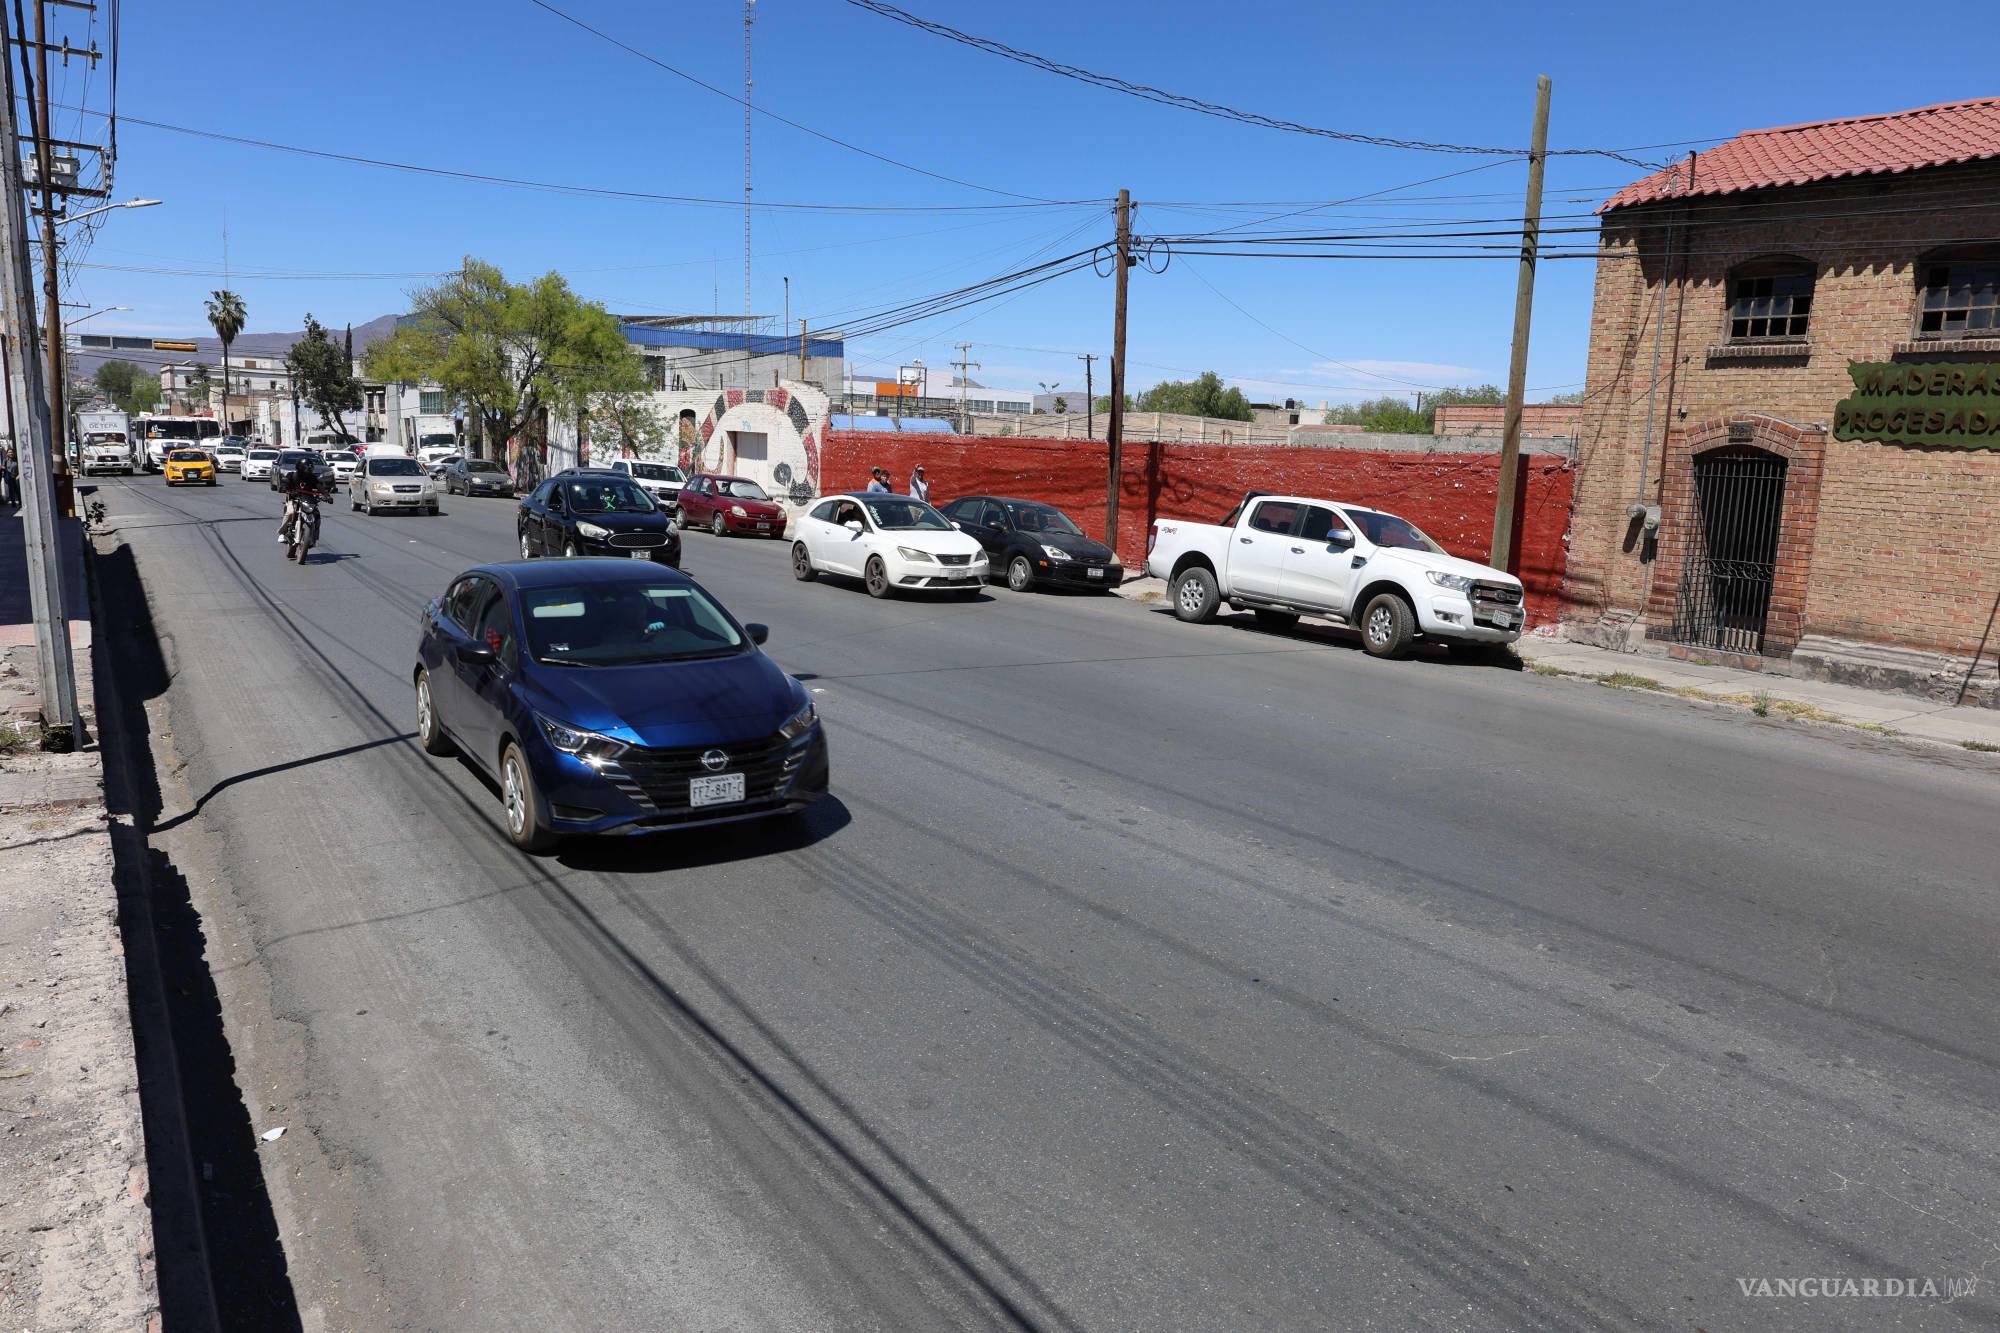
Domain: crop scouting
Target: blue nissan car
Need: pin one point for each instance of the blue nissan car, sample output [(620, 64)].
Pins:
[(612, 696)]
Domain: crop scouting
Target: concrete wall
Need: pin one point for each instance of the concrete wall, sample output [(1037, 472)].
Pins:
[(1446, 490)]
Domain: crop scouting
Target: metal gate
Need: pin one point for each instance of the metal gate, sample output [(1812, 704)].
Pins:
[(1730, 535)]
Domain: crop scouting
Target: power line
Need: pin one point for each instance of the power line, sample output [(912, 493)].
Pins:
[(1182, 101), (653, 60), (598, 191)]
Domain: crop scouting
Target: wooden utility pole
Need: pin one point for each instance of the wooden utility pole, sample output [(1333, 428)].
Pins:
[(1114, 430), (1089, 400), (802, 351), (1505, 519)]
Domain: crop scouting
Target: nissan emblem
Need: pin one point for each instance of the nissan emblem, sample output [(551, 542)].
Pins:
[(714, 760)]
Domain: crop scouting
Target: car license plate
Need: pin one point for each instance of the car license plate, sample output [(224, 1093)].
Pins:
[(1505, 619), (718, 789), (763, 527), (640, 554), (1097, 573)]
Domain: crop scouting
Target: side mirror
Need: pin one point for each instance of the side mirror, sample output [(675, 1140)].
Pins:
[(852, 525), (474, 654), (956, 524), (1341, 540), (758, 633)]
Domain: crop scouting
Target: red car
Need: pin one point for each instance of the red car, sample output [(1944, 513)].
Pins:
[(729, 504)]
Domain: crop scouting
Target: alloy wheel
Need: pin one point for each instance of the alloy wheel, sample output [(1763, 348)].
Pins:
[(1019, 577), (1380, 625), (1191, 597), (514, 791), (423, 705)]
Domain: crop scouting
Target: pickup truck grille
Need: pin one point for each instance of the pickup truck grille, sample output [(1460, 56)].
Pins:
[(1504, 593)]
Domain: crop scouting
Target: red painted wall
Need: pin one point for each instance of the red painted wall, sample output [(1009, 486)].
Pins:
[(1448, 495)]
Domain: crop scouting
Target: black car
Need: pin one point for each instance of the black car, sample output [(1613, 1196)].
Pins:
[(476, 476), (1029, 542), (595, 513)]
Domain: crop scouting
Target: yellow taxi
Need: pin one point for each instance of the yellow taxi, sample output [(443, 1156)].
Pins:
[(191, 467)]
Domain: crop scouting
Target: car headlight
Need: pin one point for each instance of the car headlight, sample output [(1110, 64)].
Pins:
[(739, 511), (1456, 582), (799, 723), (1055, 553), (914, 556), (589, 746), (592, 531)]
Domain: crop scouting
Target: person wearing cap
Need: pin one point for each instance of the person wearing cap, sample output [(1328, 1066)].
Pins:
[(878, 481), (919, 488)]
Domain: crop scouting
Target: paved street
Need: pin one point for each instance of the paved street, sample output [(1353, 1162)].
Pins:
[(1138, 975)]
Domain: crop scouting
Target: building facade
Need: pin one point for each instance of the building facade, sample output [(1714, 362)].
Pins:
[(1789, 453)]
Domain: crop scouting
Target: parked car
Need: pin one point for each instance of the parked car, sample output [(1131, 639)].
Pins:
[(258, 462), (662, 481), (189, 467), (389, 481), (474, 476), (728, 504), (229, 456), (608, 696), (1030, 543), (1286, 556), (595, 514), (437, 467), (892, 543), (432, 454)]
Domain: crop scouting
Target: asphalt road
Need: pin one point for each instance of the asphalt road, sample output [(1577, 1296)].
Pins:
[(1139, 975)]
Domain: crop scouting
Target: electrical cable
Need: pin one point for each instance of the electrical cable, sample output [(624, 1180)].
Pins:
[(1182, 101), (782, 120)]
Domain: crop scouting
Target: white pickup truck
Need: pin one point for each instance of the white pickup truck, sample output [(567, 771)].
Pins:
[(1286, 556)]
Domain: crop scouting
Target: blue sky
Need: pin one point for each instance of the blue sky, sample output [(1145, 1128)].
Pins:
[(503, 87)]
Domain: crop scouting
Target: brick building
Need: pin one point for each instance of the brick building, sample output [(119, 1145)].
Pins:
[(1790, 445)]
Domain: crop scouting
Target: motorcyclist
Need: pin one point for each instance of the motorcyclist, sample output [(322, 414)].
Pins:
[(303, 479)]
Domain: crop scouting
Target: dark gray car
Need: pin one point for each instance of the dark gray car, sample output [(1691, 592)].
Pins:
[(476, 476)]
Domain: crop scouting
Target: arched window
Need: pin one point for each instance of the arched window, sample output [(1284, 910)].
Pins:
[(1958, 294), (1770, 300)]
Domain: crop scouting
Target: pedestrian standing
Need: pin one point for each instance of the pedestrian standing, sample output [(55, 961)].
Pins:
[(10, 474), (919, 488), (878, 481)]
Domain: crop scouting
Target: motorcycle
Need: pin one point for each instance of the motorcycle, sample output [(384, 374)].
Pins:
[(304, 532)]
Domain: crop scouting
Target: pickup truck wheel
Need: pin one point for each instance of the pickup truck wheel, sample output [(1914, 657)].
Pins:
[(1278, 622), (1196, 596), (1387, 626)]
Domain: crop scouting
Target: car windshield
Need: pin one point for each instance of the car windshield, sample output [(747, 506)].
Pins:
[(1388, 530), (742, 490), (291, 457), (656, 472), (229, 448), (607, 497), (187, 456), (482, 465), (1042, 518), (901, 514), (389, 467), (263, 453), (625, 624)]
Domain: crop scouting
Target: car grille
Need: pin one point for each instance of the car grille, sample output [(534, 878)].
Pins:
[(408, 490), (636, 541), (1504, 593), (658, 779), (954, 560)]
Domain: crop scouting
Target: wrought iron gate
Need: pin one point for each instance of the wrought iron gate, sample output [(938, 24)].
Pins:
[(1730, 536)]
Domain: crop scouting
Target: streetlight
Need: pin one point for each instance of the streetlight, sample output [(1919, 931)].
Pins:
[(106, 208), (105, 310)]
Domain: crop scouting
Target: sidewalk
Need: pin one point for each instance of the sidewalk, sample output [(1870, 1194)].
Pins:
[(1879, 711), (76, 1227)]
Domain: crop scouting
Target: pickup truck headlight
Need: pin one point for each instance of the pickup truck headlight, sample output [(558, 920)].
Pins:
[(739, 511), (593, 531), (1055, 553), (799, 723), (914, 556), (1456, 582), (589, 746)]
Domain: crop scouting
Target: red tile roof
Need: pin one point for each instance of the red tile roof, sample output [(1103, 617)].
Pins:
[(1930, 136)]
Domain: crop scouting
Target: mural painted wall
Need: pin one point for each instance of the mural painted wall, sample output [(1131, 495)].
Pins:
[(773, 436)]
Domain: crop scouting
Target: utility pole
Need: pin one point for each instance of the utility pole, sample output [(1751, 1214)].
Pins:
[(31, 419), (51, 270), (1114, 431), (965, 369), (1505, 519), (802, 351), (1089, 402)]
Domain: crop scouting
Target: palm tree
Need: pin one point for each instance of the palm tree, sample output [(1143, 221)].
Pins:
[(226, 316)]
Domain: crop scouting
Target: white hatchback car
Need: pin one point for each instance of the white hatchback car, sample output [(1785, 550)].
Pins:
[(257, 463), (892, 543)]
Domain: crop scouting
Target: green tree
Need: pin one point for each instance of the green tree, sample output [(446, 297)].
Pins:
[(225, 316), (1570, 399), (1204, 396), (504, 351), (323, 376), (628, 420), (130, 389), (200, 384), (1104, 402)]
